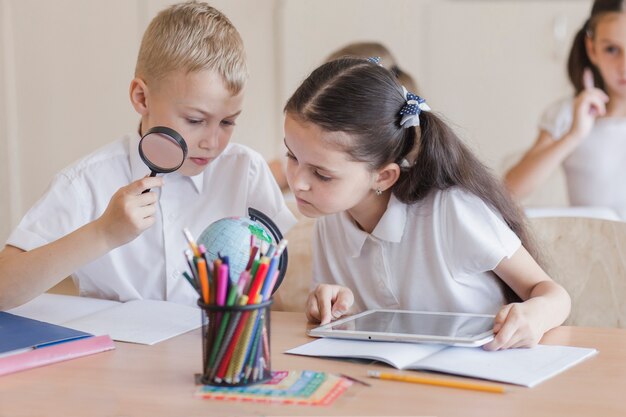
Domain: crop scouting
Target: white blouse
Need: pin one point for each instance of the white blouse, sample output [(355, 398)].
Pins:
[(435, 255)]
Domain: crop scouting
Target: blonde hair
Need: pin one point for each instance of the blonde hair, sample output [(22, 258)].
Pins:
[(376, 49), (192, 36)]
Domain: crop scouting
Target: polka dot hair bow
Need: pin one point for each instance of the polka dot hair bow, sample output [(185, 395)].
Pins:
[(374, 60), (410, 112)]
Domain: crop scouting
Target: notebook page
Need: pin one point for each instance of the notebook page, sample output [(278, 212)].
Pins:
[(58, 309), (140, 321), (527, 367), (396, 354)]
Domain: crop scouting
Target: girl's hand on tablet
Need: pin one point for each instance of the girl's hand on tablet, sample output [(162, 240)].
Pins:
[(515, 328), (328, 302)]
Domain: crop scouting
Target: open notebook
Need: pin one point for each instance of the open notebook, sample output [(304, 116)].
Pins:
[(139, 321), (526, 367)]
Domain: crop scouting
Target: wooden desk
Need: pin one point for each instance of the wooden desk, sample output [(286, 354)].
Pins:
[(137, 380)]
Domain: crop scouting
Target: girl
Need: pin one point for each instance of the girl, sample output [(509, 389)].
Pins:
[(408, 217), (361, 50), (586, 133)]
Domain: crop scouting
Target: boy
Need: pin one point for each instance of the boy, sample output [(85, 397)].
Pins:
[(190, 77)]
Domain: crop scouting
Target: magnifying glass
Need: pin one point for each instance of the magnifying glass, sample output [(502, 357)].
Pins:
[(163, 150)]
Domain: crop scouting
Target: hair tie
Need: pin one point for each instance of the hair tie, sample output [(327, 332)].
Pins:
[(411, 110), (375, 60)]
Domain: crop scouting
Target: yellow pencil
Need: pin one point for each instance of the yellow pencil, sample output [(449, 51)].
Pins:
[(437, 381)]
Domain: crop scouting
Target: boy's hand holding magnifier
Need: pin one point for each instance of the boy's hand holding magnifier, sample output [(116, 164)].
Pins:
[(132, 208)]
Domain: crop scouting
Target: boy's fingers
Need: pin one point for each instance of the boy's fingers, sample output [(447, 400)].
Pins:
[(147, 199), (145, 212), (588, 83), (143, 184)]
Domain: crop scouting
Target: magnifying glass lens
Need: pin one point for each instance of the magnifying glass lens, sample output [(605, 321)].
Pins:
[(161, 152)]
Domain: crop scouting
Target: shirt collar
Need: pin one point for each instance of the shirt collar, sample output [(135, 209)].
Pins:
[(355, 237), (139, 170), (198, 181), (390, 227)]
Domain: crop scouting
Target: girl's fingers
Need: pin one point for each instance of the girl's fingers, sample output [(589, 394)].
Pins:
[(592, 102), (501, 329), (331, 302), (312, 309), (343, 301), (502, 338), (323, 295), (500, 318), (597, 104), (588, 83)]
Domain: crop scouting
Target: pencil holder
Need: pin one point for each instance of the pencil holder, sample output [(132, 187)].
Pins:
[(235, 344)]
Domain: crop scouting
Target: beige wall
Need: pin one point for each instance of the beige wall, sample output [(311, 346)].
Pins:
[(489, 67)]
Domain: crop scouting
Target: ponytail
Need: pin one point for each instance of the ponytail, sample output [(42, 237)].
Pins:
[(443, 161)]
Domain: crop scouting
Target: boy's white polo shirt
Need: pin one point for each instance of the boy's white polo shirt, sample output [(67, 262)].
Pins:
[(150, 266), (435, 255)]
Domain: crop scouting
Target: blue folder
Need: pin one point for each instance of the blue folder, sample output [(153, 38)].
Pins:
[(18, 332)]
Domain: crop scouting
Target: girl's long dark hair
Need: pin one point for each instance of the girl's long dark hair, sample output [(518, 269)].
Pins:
[(578, 59), (364, 100)]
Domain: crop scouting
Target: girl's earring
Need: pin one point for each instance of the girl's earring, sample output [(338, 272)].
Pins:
[(378, 191)]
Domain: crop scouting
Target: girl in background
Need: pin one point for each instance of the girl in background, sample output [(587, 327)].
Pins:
[(408, 218), (376, 49), (586, 134)]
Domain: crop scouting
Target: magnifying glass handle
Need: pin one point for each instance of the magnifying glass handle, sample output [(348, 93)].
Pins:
[(152, 174)]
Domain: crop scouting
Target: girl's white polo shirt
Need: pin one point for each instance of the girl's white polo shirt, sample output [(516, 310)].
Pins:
[(435, 255), (150, 266)]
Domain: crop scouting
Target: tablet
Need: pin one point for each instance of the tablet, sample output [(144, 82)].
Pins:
[(459, 329)]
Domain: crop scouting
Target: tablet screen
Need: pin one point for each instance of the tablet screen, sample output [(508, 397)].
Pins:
[(418, 323)]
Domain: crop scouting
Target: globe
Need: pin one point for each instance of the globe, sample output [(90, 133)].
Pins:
[(231, 237)]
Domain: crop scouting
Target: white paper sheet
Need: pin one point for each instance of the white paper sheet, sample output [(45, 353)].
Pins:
[(139, 321), (58, 309), (526, 367)]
